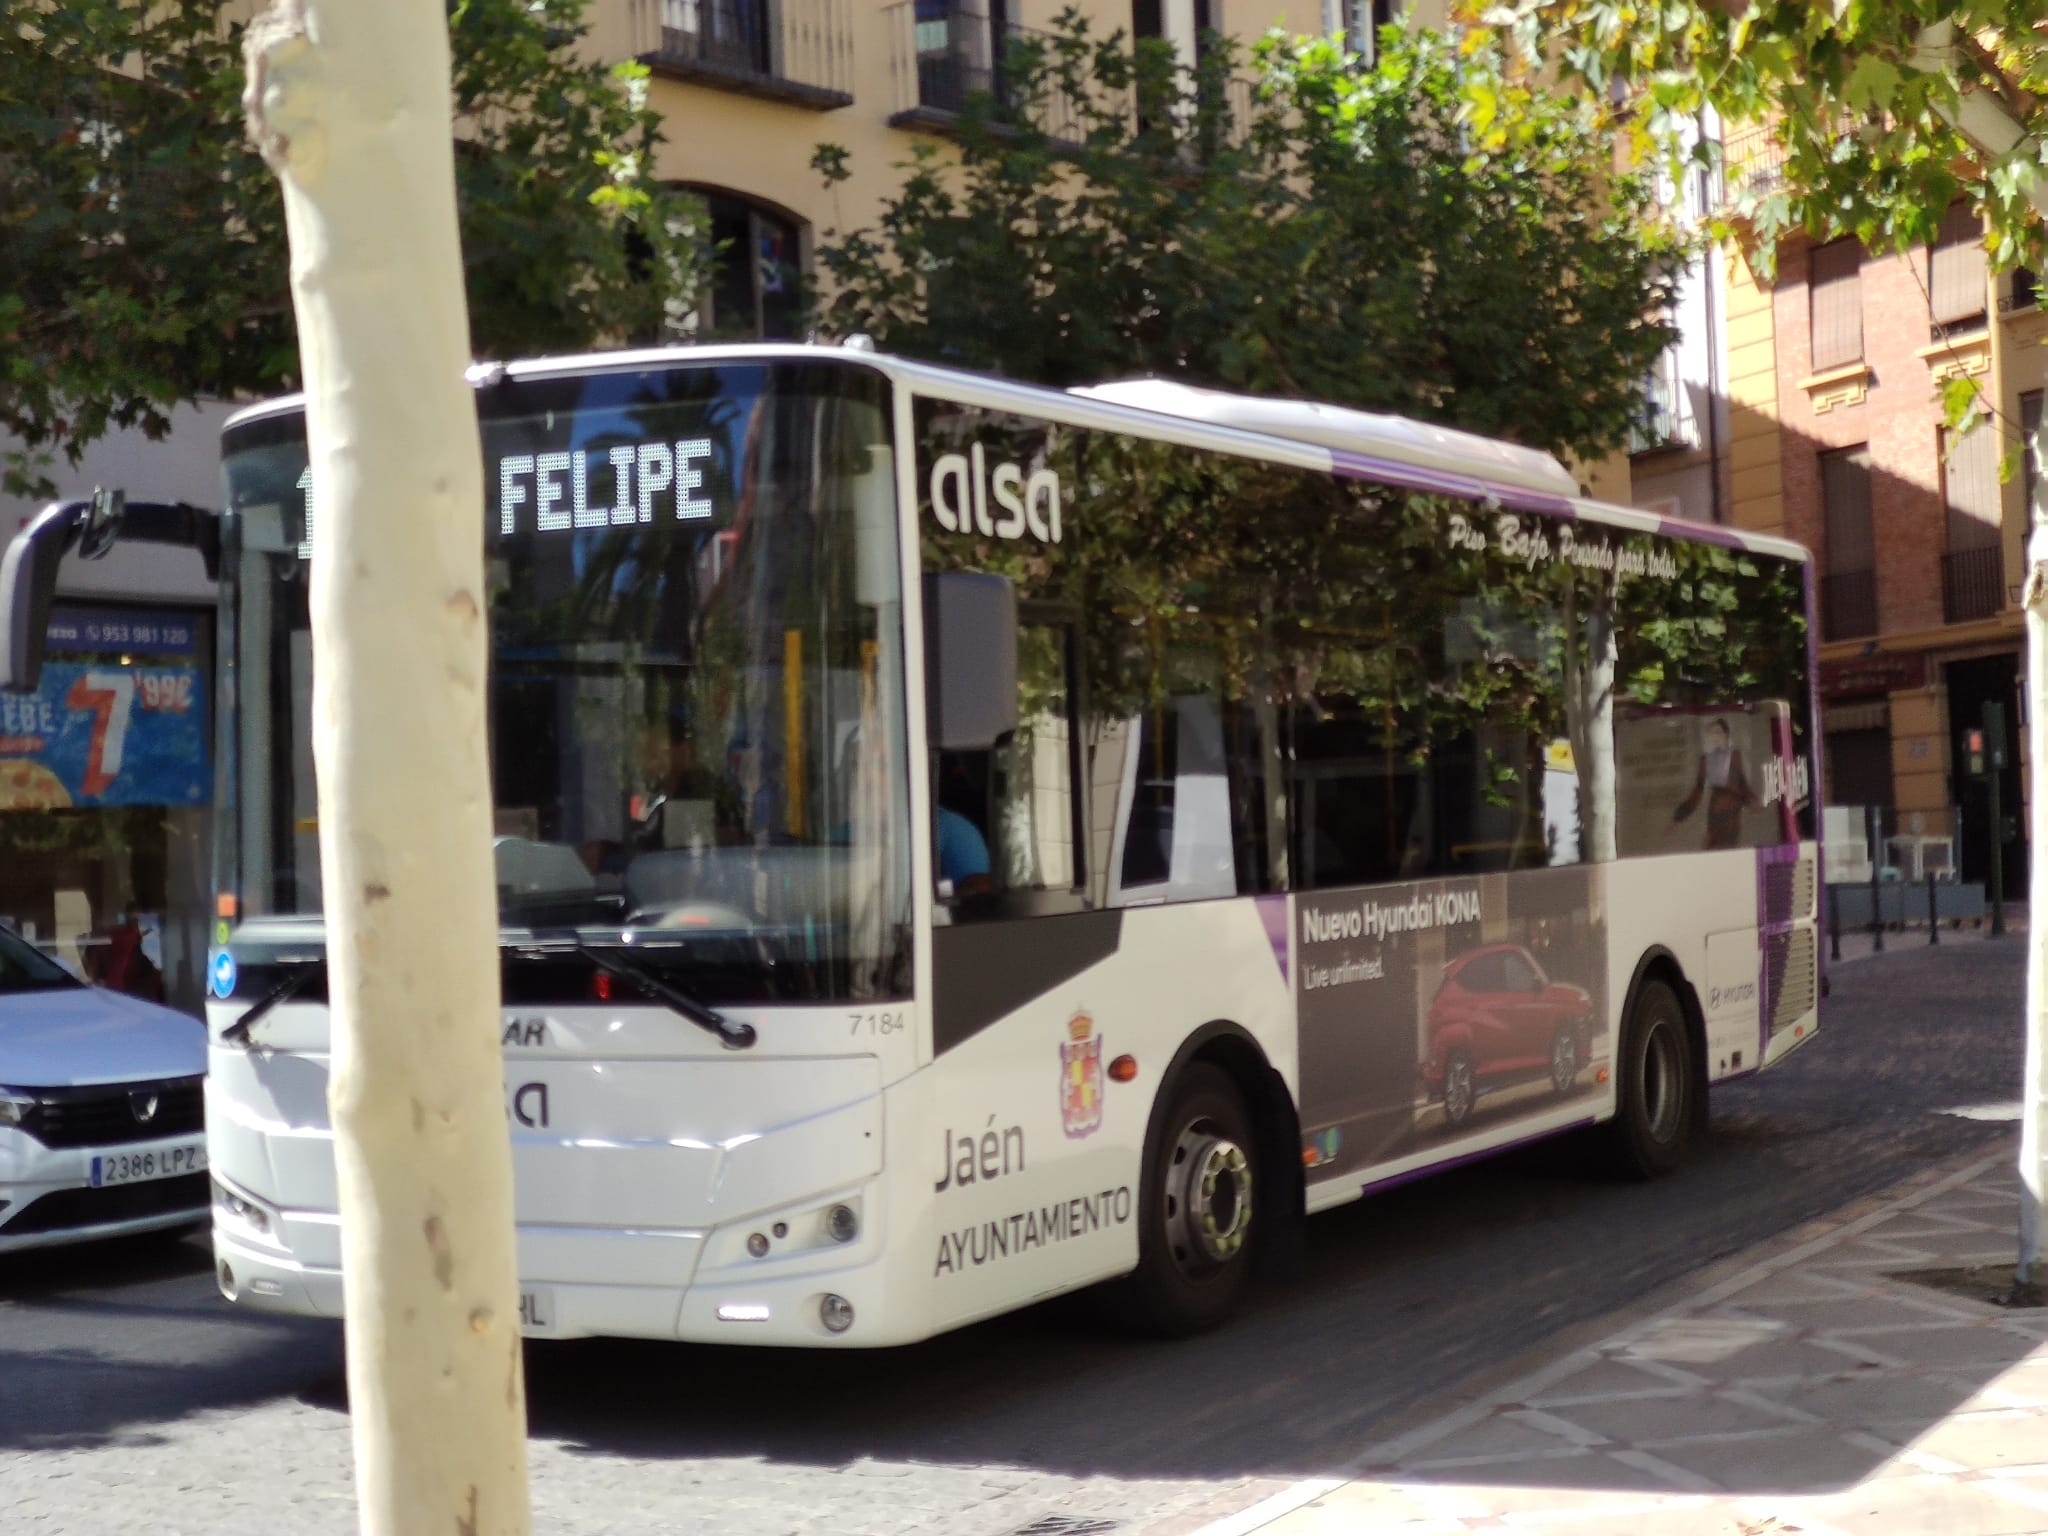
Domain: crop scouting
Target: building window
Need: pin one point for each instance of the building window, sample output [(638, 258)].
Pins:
[(757, 274), (1186, 28), (1835, 293), (1666, 419), (1956, 273), (1365, 18), (1973, 569), (1849, 587)]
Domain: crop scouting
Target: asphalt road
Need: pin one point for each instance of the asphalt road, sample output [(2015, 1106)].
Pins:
[(109, 1352)]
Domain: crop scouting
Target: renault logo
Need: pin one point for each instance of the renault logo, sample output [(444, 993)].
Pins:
[(144, 1104)]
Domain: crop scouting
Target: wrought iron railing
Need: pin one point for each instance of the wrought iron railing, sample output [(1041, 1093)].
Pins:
[(1848, 605), (1753, 162), (945, 55), (1972, 584), (799, 51), (1665, 418)]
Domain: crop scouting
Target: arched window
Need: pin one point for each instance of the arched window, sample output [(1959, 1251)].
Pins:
[(757, 274)]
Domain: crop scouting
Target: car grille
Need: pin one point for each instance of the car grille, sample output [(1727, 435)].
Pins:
[(66, 1210), (110, 1114)]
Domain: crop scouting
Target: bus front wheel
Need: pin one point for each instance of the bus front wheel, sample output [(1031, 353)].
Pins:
[(1199, 1231), (1657, 1088)]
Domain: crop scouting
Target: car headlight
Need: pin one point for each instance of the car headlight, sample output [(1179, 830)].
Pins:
[(15, 1106)]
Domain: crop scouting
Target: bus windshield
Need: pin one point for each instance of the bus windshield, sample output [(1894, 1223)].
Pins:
[(697, 716)]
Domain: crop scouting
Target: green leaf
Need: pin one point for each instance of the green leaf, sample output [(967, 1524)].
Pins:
[(1873, 82)]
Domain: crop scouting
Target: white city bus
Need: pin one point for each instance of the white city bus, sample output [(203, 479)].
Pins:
[(961, 842)]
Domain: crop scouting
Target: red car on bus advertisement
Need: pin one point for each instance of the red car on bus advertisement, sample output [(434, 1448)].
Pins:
[(1498, 1020)]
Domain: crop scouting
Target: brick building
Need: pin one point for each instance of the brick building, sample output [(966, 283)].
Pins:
[(1836, 440)]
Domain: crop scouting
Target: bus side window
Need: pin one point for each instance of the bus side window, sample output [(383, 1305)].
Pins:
[(1019, 805)]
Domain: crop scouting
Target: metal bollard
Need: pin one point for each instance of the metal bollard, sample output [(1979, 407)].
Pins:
[(1872, 828), (1834, 922), (1933, 917)]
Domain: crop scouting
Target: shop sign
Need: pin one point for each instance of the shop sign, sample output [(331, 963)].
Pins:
[(132, 631), (100, 734), (1886, 672)]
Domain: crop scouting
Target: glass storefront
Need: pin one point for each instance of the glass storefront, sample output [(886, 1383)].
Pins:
[(105, 783)]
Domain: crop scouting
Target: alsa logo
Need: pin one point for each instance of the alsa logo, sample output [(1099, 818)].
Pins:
[(1783, 781), (963, 485)]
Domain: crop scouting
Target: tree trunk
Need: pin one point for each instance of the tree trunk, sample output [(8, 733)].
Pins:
[(2028, 1276), (350, 102), (1589, 715)]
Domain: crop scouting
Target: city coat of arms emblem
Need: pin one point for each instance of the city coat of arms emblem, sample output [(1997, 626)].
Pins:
[(1081, 1077)]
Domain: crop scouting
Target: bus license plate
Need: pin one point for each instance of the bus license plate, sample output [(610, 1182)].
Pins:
[(537, 1312), (110, 1168)]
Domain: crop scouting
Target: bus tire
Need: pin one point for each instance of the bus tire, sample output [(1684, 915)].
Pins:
[(1657, 1086), (1198, 1233)]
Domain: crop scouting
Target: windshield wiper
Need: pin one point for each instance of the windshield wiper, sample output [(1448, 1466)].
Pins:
[(733, 1034), (237, 1033)]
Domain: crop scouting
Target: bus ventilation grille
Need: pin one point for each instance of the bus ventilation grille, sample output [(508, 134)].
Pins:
[(1788, 892), (1791, 963)]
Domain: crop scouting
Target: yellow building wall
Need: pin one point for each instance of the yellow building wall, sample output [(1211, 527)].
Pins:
[(1920, 755), (1756, 484), (762, 149)]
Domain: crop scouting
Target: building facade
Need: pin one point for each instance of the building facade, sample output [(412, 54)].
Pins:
[(748, 89), (107, 770), (1836, 370)]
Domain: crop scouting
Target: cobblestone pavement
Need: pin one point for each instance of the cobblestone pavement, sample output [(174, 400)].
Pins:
[(1817, 1389), (134, 1400)]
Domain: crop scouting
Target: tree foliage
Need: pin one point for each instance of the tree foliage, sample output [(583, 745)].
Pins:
[(1862, 100), (142, 249), (1423, 235)]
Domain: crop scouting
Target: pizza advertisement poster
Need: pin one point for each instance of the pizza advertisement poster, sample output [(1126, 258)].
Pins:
[(100, 734)]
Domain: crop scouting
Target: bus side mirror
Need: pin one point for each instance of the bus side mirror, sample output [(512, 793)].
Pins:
[(970, 660), (28, 579), (28, 566)]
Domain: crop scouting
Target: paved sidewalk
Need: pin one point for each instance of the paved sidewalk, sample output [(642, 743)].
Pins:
[(1859, 944), (1811, 1390)]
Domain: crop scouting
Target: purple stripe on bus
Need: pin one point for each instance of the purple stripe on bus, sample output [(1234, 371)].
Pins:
[(1273, 913), (1362, 466), (1703, 533), (1395, 1180)]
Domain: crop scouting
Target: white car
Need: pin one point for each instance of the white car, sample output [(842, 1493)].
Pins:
[(102, 1108)]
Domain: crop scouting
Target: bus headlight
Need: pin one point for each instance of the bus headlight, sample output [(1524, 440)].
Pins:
[(841, 1224), (836, 1313)]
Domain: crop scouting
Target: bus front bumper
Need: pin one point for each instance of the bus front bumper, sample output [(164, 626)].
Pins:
[(701, 1287)]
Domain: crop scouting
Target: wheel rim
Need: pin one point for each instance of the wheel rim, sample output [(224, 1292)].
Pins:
[(1208, 1199), (1662, 1080), (1564, 1062), (1457, 1089)]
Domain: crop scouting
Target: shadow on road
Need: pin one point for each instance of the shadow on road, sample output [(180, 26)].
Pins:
[(1407, 1295), (104, 1341)]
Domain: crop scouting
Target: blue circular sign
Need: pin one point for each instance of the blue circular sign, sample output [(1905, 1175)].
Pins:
[(223, 974)]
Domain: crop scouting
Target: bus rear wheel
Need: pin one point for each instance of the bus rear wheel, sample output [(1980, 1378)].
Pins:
[(1657, 1084), (1199, 1229)]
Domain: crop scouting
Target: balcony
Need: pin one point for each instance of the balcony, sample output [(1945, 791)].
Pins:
[(1972, 584), (1665, 420), (944, 55), (1754, 162), (1848, 605), (794, 51)]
